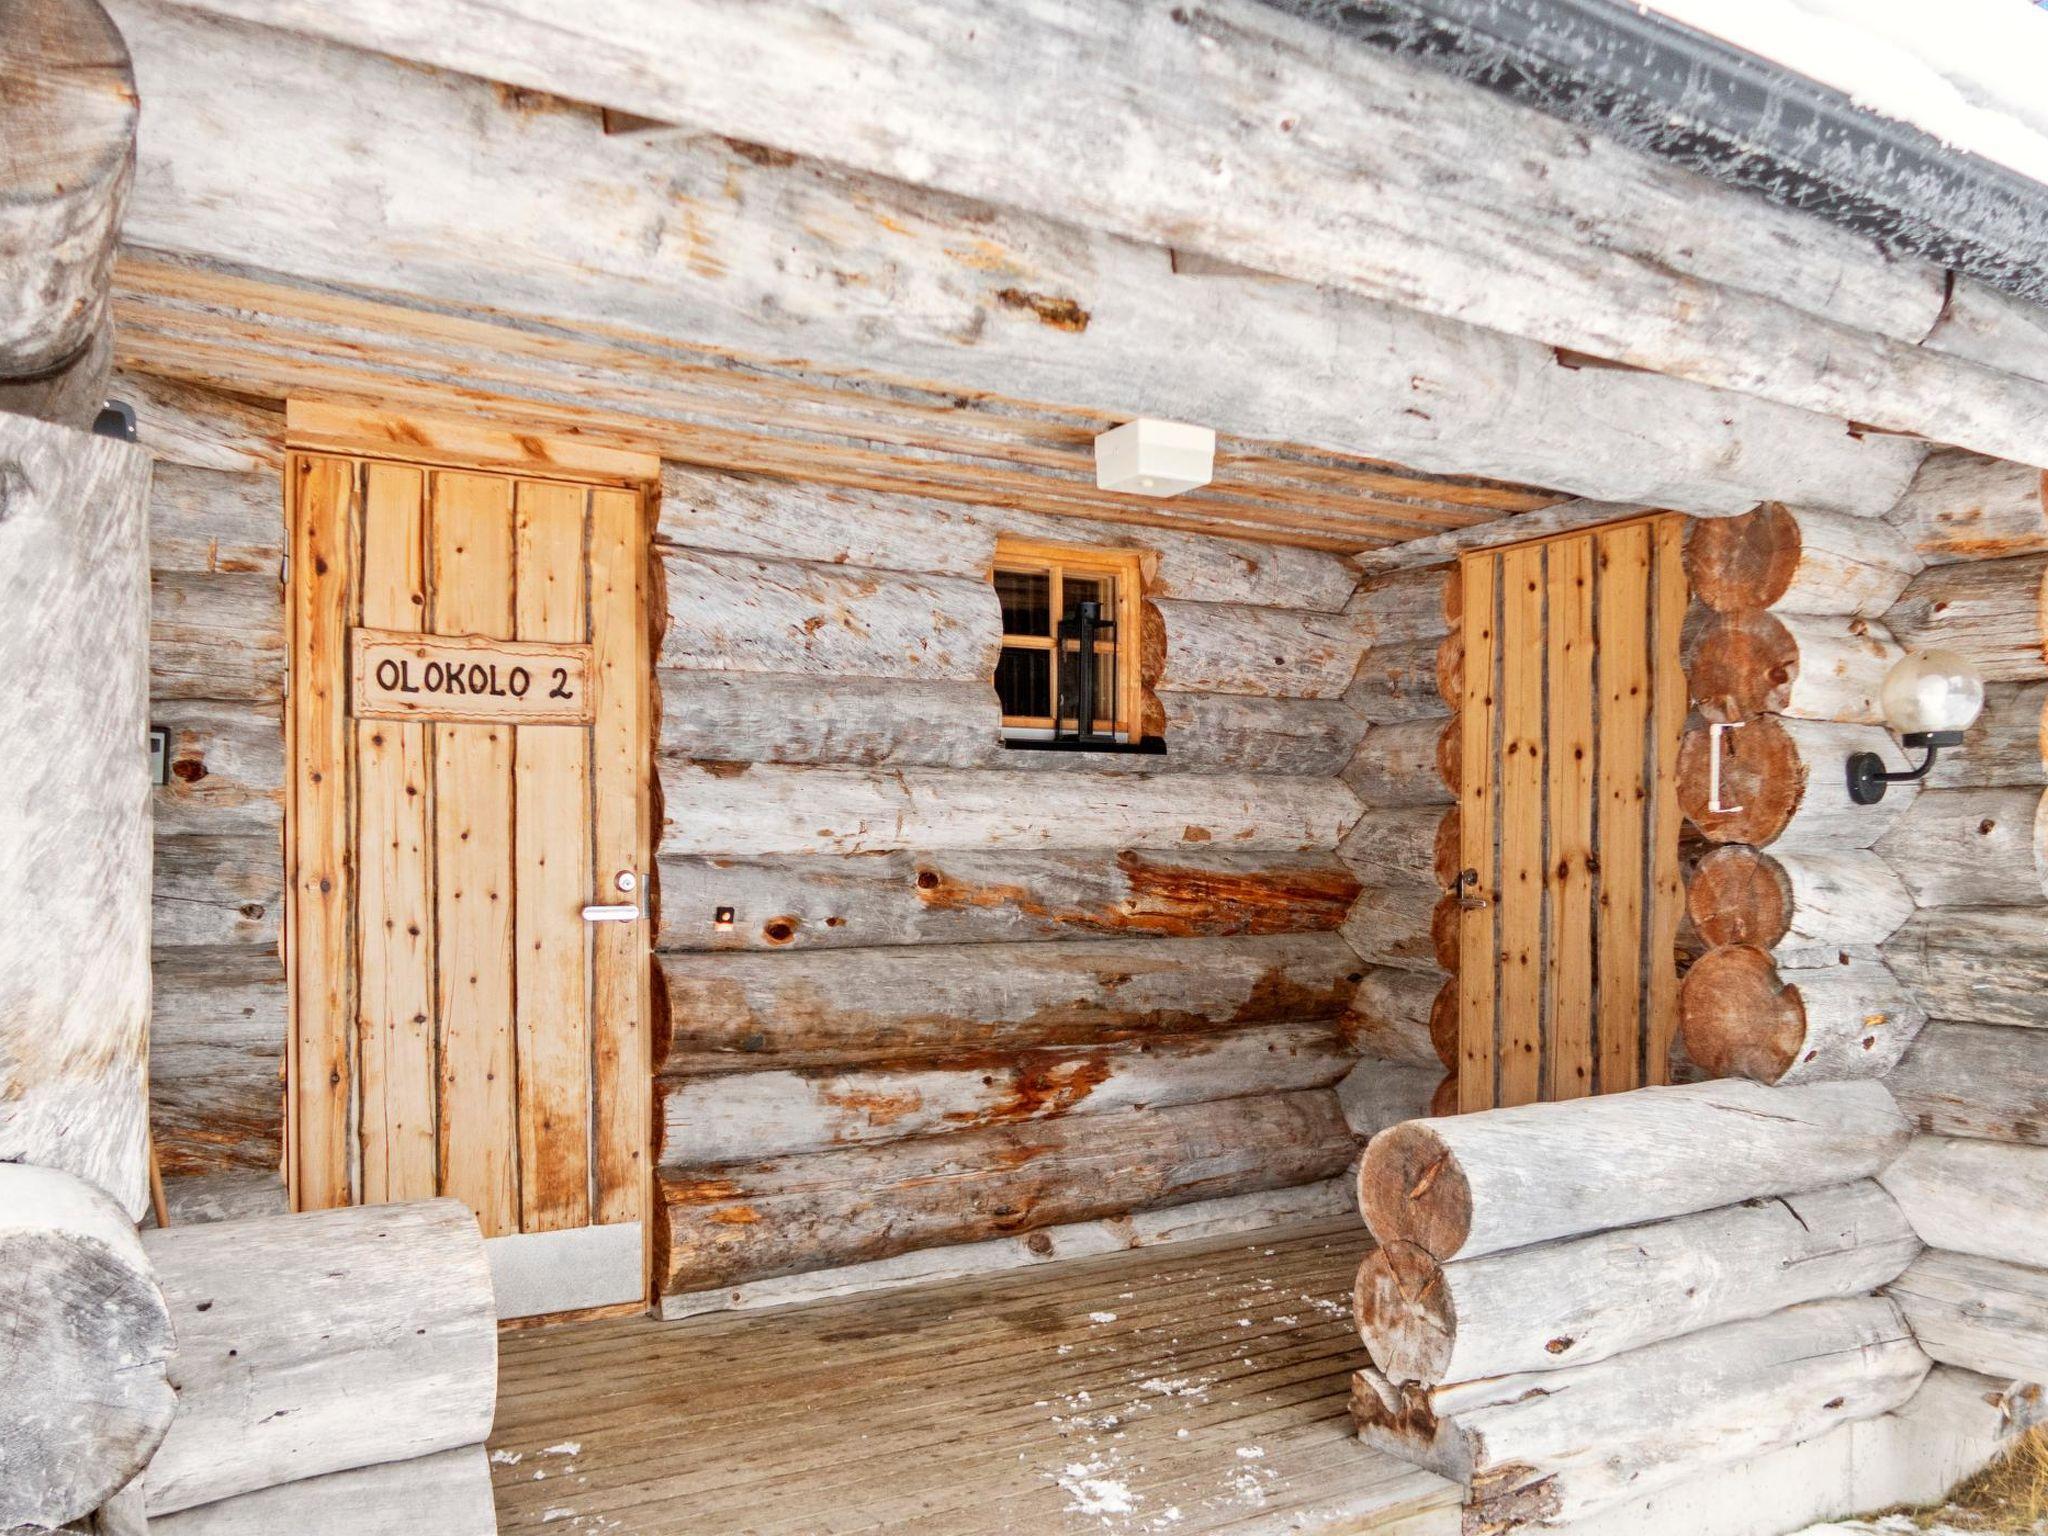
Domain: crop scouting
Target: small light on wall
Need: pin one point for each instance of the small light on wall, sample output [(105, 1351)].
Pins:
[(1930, 699), (721, 917), (1149, 457)]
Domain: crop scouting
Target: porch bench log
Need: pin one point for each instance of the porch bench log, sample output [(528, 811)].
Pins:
[(1740, 1015), (321, 1342), (1964, 506), (1557, 1305), (447, 1493), (1797, 560), (1982, 1314), (1802, 665), (1790, 902), (1974, 1197), (1477, 1184)]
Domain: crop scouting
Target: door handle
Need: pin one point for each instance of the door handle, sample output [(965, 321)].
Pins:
[(617, 912)]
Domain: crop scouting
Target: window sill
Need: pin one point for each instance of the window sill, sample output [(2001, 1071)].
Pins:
[(1151, 746)]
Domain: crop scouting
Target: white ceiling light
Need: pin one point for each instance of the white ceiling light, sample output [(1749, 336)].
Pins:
[(1148, 457)]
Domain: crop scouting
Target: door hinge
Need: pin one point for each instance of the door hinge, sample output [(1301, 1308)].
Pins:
[(284, 570)]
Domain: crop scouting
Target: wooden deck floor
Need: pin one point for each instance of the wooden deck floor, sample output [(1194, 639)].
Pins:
[(1182, 1389)]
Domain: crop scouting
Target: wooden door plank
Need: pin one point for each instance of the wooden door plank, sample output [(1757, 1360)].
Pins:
[(395, 1050), (619, 767), (1671, 699), (1622, 564), (552, 880), (1478, 919), (1568, 1060), (471, 582), (324, 509), (1521, 826)]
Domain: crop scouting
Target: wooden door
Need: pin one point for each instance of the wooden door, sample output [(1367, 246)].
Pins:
[(468, 718), (1572, 704)]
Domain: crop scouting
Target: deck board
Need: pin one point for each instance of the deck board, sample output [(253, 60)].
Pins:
[(1199, 1387)]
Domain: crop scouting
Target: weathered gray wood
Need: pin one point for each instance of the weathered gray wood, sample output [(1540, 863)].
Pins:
[(1988, 610), (1370, 377), (1409, 844), (216, 635), (226, 889), (2005, 746), (1787, 781), (731, 613), (1790, 304), (1988, 967), (844, 1007), (1975, 1197), (1401, 763), (1740, 1015), (1797, 560), (73, 395), (1981, 1314), (208, 520), (231, 1196), (1270, 652), (1507, 1177), (1391, 1015), (226, 768), (1397, 923), (316, 1343), (448, 1493), (1549, 1447), (1787, 901), (968, 896), (768, 809), (85, 1399), (756, 717), (1806, 666), (216, 1058), (1398, 682), (1972, 848), (185, 423), (782, 1216), (1975, 1080), (74, 804), (738, 1118), (1963, 506), (1562, 517), (1408, 605), (1238, 733), (1378, 1094), (67, 121), (1558, 1305)]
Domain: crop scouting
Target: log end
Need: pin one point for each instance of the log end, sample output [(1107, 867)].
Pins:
[(1741, 664), (1411, 1190), (1762, 778), (1448, 852), (1737, 1016), (1738, 895), (1404, 1314), (1746, 562), (1443, 1024), (1443, 932)]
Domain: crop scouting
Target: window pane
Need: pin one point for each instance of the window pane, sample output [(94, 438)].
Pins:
[(1024, 682), (1105, 690), (1026, 597), (1100, 590)]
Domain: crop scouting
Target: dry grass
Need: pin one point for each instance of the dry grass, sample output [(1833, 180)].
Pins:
[(2012, 1493)]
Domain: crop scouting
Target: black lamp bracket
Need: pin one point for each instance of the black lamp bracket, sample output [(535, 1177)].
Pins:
[(1868, 778)]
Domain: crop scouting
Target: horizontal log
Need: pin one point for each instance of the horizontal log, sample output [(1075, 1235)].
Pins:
[(726, 812), (1398, 682), (1796, 560), (1808, 666), (230, 1196), (1268, 652), (1974, 1080), (1238, 733), (1391, 1015), (1401, 607), (1986, 967), (1378, 1094), (216, 1058), (226, 768), (1787, 901), (1476, 1184), (845, 1007), (1972, 848), (448, 1493), (1398, 923), (1558, 1305), (1551, 1447), (216, 635), (1787, 781), (739, 717), (85, 1399), (738, 1118), (1981, 1314), (1357, 368), (821, 901), (1740, 1016), (288, 1326), (783, 1216), (729, 613), (1963, 506), (1402, 763), (181, 422), (1410, 845), (226, 889), (2008, 745), (1990, 611), (1975, 1197), (207, 520)]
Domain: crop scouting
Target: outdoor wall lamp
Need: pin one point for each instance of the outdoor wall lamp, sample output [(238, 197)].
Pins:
[(1929, 700)]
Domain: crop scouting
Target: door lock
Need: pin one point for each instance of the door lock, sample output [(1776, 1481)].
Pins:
[(618, 912)]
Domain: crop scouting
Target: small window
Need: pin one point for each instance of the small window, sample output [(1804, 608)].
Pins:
[(1068, 671)]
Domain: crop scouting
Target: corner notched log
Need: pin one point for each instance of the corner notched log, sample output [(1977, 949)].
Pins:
[(1477, 1184), (1990, 611), (1394, 1014), (1988, 966), (1808, 666), (1557, 1305), (1963, 506), (1399, 682), (1402, 607), (1740, 1017), (728, 1225), (67, 118), (1394, 922), (1976, 1080), (1404, 763), (1787, 901), (1797, 561), (2007, 747), (1411, 844), (1785, 783), (1976, 1197), (1972, 848), (1981, 1314)]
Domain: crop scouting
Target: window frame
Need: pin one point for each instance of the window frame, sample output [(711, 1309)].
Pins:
[(1058, 561)]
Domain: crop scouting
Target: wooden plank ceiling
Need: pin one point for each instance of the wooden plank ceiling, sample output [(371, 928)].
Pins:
[(264, 338)]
